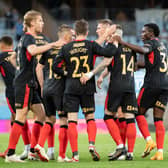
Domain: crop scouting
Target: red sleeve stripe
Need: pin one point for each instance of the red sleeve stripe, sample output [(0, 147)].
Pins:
[(2, 71), (151, 57), (28, 55)]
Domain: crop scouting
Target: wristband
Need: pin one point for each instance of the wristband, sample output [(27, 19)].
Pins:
[(89, 74)]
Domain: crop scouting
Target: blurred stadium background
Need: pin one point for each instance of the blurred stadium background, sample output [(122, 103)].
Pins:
[(131, 14)]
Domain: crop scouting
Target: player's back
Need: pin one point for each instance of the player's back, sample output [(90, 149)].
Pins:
[(122, 69), (53, 83), (79, 59), (25, 62), (156, 65)]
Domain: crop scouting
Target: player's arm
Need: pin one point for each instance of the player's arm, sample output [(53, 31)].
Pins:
[(87, 76), (107, 33), (39, 71), (108, 52), (40, 77), (12, 59), (35, 50), (147, 48), (58, 62), (101, 77)]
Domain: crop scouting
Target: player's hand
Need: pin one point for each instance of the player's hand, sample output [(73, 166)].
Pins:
[(110, 30), (117, 38), (83, 79), (57, 44), (99, 82)]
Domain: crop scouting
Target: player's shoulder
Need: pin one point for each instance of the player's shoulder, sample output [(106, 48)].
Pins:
[(43, 37), (28, 35)]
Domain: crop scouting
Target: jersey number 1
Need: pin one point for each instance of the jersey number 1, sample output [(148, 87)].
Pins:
[(51, 74), (130, 67)]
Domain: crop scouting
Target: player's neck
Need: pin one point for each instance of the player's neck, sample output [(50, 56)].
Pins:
[(32, 32), (81, 37), (7, 49)]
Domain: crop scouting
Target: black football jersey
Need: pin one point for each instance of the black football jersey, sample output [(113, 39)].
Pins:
[(78, 57), (40, 40), (53, 83), (156, 64), (25, 62), (7, 69), (122, 69)]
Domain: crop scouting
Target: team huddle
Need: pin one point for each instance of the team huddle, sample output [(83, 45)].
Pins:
[(48, 77)]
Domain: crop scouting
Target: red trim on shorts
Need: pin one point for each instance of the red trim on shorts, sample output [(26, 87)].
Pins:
[(26, 98), (151, 57), (10, 107), (28, 55), (2, 71), (106, 101), (112, 62), (140, 96)]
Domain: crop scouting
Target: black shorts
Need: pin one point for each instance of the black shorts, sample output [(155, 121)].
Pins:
[(152, 97), (115, 99), (26, 96), (10, 98), (52, 103), (72, 102)]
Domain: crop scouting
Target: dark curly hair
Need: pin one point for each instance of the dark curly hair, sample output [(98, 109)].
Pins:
[(152, 27)]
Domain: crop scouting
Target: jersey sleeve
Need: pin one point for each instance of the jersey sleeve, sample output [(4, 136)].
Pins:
[(59, 62), (29, 40), (109, 51), (148, 44)]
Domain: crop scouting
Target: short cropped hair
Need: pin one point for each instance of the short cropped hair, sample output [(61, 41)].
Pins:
[(7, 40), (63, 28), (105, 21), (81, 27)]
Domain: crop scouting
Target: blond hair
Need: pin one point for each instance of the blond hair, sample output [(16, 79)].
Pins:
[(29, 16), (62, 29)]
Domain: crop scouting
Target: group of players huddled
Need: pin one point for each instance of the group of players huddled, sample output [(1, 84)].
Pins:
[(46, 77)]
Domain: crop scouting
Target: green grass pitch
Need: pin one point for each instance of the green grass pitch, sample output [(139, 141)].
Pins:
[(104, 145)]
